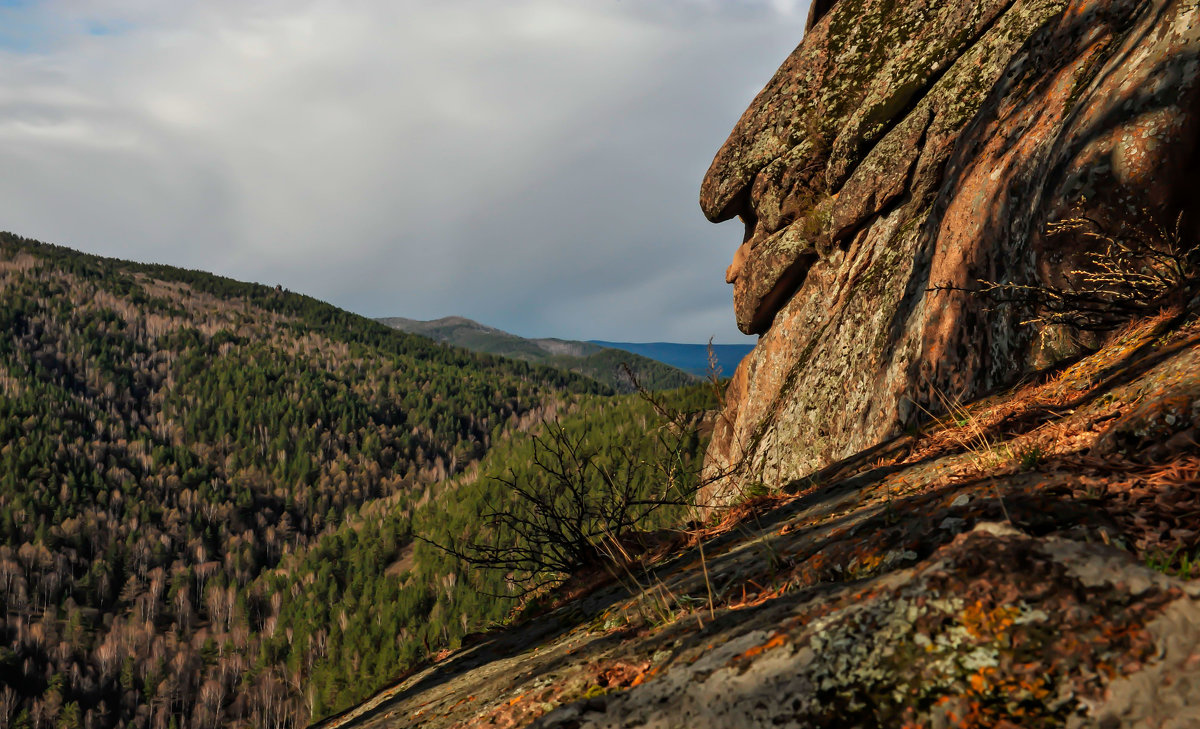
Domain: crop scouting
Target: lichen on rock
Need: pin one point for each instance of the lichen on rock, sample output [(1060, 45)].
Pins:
[(943, 138)]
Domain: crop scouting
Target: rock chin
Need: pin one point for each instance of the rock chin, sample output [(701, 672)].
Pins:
[(907, 145)]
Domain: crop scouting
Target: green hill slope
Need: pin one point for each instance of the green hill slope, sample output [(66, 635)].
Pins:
[(601, 363), (367, 601), (169, 437)]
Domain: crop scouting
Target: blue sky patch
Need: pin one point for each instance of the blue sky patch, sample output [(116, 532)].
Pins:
[(27, 27), (106, 27)]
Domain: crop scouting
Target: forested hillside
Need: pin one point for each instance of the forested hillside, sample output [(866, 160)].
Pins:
[(369, 601), (598, 361), (168, 440)]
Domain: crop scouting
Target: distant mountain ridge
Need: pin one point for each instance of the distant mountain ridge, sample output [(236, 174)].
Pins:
[(687, 357), (598, 360), (471, 334)]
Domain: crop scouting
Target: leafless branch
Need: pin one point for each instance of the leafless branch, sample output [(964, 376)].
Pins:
[(1134, 272)]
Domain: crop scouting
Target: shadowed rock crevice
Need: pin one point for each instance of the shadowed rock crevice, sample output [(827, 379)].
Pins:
[(817, 9)]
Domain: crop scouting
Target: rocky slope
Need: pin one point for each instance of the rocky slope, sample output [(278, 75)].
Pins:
[(1028, 562), (916, 144)]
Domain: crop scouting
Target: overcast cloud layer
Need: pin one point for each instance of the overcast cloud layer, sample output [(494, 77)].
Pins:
[(531, 164)]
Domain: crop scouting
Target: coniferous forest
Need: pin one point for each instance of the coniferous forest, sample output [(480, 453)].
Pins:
[(209, 491)]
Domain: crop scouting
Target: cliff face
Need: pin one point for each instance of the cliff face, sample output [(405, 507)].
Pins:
[(908, 145)]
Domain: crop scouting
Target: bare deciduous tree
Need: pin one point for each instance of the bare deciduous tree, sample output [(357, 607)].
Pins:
[(586, 497), (1133, 269)]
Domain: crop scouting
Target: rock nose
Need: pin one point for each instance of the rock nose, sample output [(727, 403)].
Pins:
[(735, 268)]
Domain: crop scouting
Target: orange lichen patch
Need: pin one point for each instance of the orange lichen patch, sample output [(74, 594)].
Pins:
[(1075, 637), (621, 674), (777, 640), (988, 624), (987, 682), (867, 564), (643, 677), (993, 700)]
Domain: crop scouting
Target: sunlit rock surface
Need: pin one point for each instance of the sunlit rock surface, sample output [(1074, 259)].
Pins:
[(922, 143)]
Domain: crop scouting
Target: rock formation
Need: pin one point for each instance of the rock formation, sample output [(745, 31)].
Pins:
[(1043, 581), (1033, 560), (908, 145)]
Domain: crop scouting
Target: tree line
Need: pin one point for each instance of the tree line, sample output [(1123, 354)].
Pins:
[(169, 442)]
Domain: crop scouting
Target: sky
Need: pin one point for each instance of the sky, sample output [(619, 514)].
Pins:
[(531, 164)]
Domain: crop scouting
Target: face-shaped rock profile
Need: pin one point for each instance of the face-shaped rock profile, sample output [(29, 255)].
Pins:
[(908, 149)]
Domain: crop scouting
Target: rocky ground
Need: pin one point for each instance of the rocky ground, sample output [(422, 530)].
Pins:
[(1028, 560)]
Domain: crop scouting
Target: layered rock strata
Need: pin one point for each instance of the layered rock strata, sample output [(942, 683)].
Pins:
[(910, 146)]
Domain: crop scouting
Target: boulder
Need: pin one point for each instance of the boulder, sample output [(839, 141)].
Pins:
[(907, 150)]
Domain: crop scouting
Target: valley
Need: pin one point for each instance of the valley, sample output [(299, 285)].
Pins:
[(208, 491)]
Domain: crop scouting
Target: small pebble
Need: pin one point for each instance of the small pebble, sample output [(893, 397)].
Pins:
[(960, 500), (952, 524)]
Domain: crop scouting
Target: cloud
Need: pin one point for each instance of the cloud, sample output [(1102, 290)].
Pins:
[(531, 164)]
